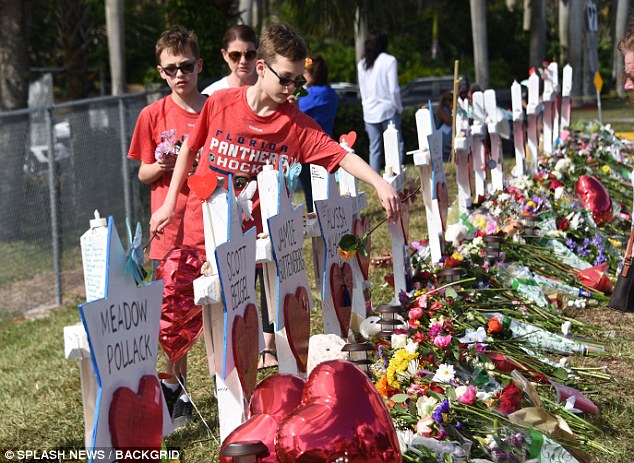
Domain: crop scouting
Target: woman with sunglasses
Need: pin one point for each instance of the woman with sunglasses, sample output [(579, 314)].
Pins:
[(239, 51)]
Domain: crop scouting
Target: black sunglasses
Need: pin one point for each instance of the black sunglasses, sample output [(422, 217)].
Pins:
[(236, 55), (286, 81), (186, 68)]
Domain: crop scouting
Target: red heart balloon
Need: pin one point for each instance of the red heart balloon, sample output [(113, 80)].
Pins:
[(273, 399), (361, 227), (594, 197), (350, 138), (342, 416), (442, 194), (341, 289), (202, 185), (278, 395), (246, 338), (297, 321), (181, 319), (136, 420)]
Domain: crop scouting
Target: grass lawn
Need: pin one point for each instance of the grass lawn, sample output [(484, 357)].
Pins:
[(41, 396)]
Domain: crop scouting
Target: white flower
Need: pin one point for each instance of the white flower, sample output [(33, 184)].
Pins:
[(484, 396), (564, 362), (559, 191), (411, 347), (565, 327), (562, 164), (471, 335), (425, 406), (399, 341), (444, 374), (405, 437)]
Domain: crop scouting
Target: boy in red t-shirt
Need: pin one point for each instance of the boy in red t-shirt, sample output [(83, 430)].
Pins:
[(160, 129), (240, 129)]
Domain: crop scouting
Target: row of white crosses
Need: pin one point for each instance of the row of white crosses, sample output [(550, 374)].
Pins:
[(542, 111)]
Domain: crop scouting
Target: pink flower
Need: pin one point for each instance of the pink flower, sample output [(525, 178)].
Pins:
[(415, 313), (468, 396), (423, 427), (442, 341)]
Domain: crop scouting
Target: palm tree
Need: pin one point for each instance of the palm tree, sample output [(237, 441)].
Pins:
[(480, 42)]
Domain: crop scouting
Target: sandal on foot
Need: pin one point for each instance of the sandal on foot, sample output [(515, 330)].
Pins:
[(267, 363)]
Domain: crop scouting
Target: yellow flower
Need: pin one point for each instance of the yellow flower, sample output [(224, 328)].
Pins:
[(615, 243), (398, 363), (605, 169), (309, 63), (457, 256)]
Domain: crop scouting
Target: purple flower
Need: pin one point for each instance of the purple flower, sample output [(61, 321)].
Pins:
[(440, 410)]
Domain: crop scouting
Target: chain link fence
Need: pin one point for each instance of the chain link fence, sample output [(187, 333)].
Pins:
[(61, 163)]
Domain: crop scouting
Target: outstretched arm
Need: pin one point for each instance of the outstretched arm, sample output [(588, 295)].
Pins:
[(384, 191)]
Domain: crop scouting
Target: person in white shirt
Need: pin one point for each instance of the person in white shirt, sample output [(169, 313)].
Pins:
[(380, 94), (240, 45)]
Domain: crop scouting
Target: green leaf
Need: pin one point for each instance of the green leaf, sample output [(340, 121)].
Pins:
[(450, 292), (300, 92), (399, 398)]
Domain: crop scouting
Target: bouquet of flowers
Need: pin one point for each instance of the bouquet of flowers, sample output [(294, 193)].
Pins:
[(169, 147)]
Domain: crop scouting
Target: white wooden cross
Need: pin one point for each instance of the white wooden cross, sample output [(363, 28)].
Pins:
[(122, 330), (519, 136), (400, 248), (566, 89), (348, 186), (462, 146), (293, 299), (533, 112), (478, 150), (423, 160), (335, 220), (493, 125), (553, 73), (241, 336), (548, 101)]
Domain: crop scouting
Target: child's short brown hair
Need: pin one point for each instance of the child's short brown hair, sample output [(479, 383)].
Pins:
[(178, 40), (281, 39)]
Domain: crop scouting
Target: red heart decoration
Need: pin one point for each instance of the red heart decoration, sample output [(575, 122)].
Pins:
[(594, 197), (297, 321), (273, 400), (202, 185), (442, 195), (342, 418), (136, 420), (341, 289), (360, 227), (246, 336), (349, 138)]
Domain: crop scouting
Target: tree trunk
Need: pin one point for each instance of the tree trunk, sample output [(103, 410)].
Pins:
[(620, 23), (14, 91), (116, 44), (480, 44), (538, 33), (245, 7), (564, 22), (576, 49), (71, 16), (360, 32)]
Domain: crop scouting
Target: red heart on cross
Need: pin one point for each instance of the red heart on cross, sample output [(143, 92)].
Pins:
[(246, 337), (349, 138), (202, 185), (136, 419), (297, 322), (442, 195), (360, 227), (341, 289)]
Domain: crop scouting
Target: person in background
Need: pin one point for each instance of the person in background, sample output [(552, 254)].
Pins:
[(255, 116), (445, 120), (160, 127), (320, 103), (380, 94), (239, 49), (626, 47)]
